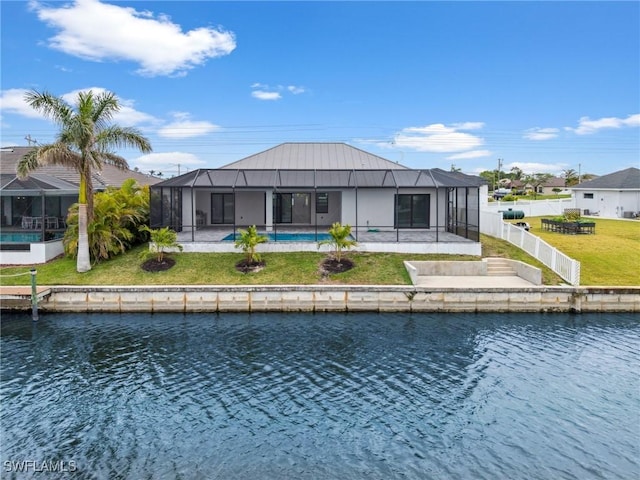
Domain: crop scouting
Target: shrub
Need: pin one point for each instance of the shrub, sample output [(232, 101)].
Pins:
[(118, 213), (161, 239), (248, 241), (339, 239)]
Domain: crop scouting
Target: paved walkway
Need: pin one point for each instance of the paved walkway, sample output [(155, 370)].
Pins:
[(490, 281)]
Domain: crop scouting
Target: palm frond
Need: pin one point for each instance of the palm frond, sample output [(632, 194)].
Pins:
[(122, 137), (115, 160), (49, 154), (49, 105), (105, 106)]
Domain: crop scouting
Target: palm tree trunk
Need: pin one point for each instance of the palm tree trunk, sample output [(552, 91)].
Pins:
[(84, 261)]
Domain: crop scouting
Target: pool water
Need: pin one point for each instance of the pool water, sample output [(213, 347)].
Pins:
[(324, 396), (287, 237), (30, 237), (16, 237)]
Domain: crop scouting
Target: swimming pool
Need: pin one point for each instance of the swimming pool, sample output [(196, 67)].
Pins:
[(288, 237), (26, 237), (323, 396)]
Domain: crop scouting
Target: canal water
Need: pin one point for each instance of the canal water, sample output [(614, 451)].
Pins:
[(324, 396)]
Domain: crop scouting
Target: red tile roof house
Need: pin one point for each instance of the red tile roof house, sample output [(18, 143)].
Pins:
[(33, 210), (295, 191)]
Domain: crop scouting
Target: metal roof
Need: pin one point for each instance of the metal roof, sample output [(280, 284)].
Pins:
[(628, 179), (286, 178), (320, 156), (318, 165)]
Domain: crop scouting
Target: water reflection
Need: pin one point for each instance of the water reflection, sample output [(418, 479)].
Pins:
[(324, 396)]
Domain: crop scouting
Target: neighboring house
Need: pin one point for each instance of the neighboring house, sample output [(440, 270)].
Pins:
[(616, 195), (550, 186), (305, 187), (33, 210)]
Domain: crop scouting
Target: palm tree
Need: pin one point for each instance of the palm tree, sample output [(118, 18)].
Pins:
[(84, 144), (339, 239)]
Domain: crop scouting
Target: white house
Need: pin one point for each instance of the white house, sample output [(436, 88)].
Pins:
[(616, 195), (302, 188)]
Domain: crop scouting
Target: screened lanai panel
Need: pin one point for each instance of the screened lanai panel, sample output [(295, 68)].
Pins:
[(295, 178), (223, 178), (374, 178), (256, 178), (413, 178), (185, 180), (335, 178), (455, 179)]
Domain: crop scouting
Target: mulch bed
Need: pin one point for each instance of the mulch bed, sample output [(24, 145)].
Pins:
[(153, 265), (249, 267), (331, 265)]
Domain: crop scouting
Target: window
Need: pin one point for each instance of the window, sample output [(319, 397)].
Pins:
[(222, 208), (588, 195), (412, 211), (322, 203)]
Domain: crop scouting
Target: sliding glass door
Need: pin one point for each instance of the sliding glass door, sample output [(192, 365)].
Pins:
[(222, 208), (292, 208), (412, 211)]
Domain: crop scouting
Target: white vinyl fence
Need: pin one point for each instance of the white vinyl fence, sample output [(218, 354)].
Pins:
[(533, 208), (491, 223)]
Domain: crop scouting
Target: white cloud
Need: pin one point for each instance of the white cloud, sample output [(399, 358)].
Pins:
[(541, 133), (264, 95), (530, 168), (262, 91), (165, 159), (470, 155), (586, 126), (97, 31), (183, 127), (12, 101), (439, 138)]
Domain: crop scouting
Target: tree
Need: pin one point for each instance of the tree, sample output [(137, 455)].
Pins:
[(248, 241), (339, 239), (570, 177), (84, 143), (119, 213), (161, 239), (516, 173)]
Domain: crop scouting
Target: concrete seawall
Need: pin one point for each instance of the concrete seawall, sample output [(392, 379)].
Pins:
[(324, 298)]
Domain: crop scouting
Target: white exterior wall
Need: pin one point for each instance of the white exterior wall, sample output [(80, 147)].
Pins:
[(188, 215), (40, 252), (250, 208), (349, 207), (375, 207), (609, 203)]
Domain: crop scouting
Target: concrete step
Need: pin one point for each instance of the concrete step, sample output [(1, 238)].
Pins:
[(498, 267)]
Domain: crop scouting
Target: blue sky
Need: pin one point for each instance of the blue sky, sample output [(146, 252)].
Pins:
[(545, 86)]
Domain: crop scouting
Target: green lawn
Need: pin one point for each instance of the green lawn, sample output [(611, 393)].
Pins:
[(610, 257)]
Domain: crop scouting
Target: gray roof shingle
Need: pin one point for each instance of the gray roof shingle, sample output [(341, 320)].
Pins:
[(627, 179), (110, 176)]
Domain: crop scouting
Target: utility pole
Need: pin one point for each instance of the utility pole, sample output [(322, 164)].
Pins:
[(579, 173), (30, 140), (499, 169)]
